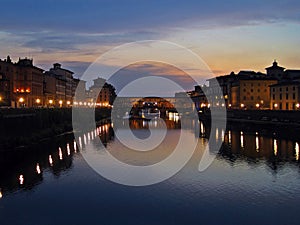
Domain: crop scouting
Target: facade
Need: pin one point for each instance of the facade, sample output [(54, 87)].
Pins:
[(285, 96), (245, 90), (24, 85), (49, 89), (198, 97), (7, 73), (21, 83), (28, 85), (101, 93), (252, 93), (64, 85)]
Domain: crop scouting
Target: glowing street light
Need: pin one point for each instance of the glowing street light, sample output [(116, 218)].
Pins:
[(38, 101), (0, 98), (242, 105), (257, 105), (21, 100), (50, 101), (68, 102), (60, 102), (298, 105), (275, 105)]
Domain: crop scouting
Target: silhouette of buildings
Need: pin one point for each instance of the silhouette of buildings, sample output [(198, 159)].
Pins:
[(277, 89), (101, 93), (21, 83)]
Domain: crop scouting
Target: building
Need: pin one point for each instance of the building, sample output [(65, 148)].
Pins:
[(7, 73), (285, 95), (49, 89), (101, 93), (245, 90), (198, 97), (275, 71), (63, 85), (219, 90), (28, 84), (21, 83), (252, 92)]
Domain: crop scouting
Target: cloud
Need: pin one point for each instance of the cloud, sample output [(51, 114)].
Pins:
[(152, 69), (129, 16)]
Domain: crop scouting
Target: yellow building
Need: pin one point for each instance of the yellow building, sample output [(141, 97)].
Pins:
[(249, 90), (285, 96)]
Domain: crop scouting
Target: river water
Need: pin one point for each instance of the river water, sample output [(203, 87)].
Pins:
[(254, 179)]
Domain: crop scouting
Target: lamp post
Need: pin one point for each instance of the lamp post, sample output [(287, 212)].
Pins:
[(50, 102), (21, 101)]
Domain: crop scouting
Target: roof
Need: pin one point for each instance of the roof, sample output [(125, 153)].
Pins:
[(286, 83), (275, 65)]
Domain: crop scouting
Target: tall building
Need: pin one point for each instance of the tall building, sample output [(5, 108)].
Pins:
[(63, 85), (21, 83), (103, 93), (7, 73), (28, 84)]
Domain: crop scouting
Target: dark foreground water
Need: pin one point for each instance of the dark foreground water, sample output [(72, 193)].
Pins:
[(255, 179)]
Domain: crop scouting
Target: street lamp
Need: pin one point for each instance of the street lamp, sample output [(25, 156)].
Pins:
[(21, 100), (297, 105), (60, 103), (242, 105), (257, 105), (50, 101), (38, 101), (68, 102), (275, 105)]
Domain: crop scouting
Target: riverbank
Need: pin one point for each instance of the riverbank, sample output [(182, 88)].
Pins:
[(260, 117), (23, 127)]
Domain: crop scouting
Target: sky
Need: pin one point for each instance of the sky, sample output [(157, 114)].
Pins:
[(230, 35)]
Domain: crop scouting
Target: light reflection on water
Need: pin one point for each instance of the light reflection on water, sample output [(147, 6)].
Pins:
[(255, 173)]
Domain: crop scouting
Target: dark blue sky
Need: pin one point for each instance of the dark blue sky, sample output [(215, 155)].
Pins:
[(227, 35)]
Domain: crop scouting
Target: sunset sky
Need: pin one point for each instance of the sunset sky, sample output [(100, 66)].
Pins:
[(228, 35)]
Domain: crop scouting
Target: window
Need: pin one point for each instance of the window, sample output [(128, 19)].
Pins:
[(280, 106), (280, 96), (286, 96), (287, 89), (245, 98), (258, 90), (280, 89), (273, 89), (294, 96), (251, 90), (287, 106), (294, 88), (273, 97), (244, 89), (252, 98)]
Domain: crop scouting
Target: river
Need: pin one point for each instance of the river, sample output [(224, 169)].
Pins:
[(254, 179)]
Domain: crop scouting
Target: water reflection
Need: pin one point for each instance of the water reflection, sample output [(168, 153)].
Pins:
[(25, 169), (297, 151)]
